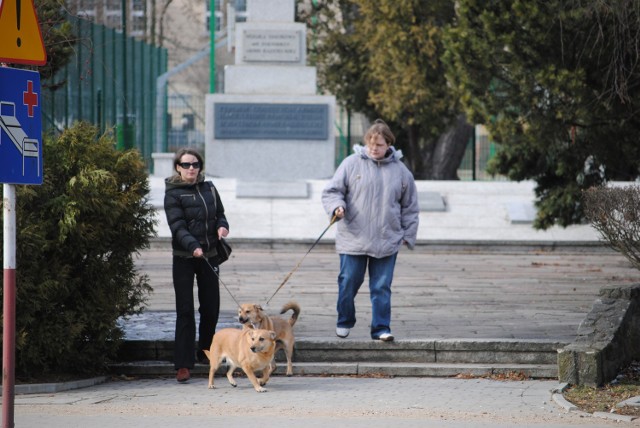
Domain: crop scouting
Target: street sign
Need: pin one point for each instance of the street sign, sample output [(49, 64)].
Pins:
[(20, 126), (20, 33)]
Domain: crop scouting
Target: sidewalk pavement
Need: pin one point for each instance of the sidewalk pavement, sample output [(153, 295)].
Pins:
[(292, 402), (438, 292), (475, 275), (477, 271)]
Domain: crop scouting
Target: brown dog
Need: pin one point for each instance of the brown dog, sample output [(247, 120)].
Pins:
[(252, 350), (254, 315)]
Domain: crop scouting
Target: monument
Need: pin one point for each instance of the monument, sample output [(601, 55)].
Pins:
[(269, 129)]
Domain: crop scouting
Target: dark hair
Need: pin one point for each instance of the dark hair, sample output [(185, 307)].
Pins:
[(379, 127), (182, 152)]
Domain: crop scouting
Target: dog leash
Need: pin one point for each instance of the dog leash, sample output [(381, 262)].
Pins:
[(286, 278), (222, 282)]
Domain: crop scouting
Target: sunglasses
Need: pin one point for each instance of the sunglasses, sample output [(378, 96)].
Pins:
[(186, 165)]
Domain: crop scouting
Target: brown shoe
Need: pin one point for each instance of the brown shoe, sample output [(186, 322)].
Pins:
[(183, 375)]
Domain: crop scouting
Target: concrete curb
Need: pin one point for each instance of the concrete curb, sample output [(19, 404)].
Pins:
[(498, 245), (614, 417), (398, 369), (50, 388)]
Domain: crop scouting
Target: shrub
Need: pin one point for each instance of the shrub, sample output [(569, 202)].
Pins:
[(77, 234), (615, 213)]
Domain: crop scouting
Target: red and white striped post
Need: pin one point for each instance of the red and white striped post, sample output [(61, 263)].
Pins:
[(9, 305)]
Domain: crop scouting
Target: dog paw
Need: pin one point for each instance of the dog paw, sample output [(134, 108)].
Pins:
[(261, 389), (233, 384), (212, 387)]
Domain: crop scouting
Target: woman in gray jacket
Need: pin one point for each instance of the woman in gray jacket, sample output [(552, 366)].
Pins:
[(375, 195)]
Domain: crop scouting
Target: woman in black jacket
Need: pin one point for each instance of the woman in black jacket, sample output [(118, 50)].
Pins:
[(195, 215)]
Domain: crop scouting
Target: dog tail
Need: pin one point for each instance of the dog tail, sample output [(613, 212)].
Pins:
[(293, 306)]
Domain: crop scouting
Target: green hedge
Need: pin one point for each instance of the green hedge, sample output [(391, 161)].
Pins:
[(77, 235)]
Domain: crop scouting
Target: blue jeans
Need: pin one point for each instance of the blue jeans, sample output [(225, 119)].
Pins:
[(351, 277)]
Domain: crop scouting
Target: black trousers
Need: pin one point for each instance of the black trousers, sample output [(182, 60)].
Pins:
[(184, 271)]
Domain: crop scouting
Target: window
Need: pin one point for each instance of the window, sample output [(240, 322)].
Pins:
[(240, 7)]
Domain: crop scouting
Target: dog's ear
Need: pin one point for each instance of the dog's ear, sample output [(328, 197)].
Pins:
[(258, 307), (273, 335)]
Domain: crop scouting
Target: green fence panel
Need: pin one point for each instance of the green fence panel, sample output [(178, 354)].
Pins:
[(109, 76)]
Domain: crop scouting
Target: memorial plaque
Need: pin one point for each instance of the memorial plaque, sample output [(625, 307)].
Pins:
[(272, 45), (243, 121)]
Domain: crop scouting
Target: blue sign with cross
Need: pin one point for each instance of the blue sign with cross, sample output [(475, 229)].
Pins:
[(20, 127)]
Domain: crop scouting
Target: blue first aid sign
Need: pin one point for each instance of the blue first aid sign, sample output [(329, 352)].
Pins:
[(20, 127)]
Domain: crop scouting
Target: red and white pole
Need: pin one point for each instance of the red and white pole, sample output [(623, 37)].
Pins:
[(9, 305)]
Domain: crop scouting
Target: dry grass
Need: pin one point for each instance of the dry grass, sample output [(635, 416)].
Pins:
[(605, 399)]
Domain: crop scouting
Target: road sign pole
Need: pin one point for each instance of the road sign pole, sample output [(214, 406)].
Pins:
[(9, 305)]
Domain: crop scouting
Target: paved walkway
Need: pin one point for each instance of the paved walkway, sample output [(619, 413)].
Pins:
[(304, 401), (437, 292), (448, 288)]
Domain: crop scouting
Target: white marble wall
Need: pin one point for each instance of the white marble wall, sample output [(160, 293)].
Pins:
[(476, 211)]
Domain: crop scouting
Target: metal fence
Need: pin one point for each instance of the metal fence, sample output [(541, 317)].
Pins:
[(185, 121), (110, 82), (477, 155)]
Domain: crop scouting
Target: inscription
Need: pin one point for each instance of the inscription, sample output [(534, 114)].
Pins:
[(272, 46), (271, 121)]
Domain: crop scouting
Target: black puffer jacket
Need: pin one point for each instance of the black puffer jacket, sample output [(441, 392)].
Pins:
[(193, 215)]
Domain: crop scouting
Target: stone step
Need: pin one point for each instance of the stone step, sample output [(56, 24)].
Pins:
[(442, 351), (536, 371)]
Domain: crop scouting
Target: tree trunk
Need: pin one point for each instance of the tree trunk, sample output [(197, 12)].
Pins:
[(415, 157), (449, 150)]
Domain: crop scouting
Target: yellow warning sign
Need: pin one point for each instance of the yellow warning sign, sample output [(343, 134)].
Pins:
[(20, 36)]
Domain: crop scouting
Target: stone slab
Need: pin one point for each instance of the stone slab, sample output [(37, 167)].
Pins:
[(631, 402), (270, 121), (271, 10), (271, 43), (521, 212), (274, 45), (269, 159), (270, 189), (270, 79), (162, 164), (431, 201)]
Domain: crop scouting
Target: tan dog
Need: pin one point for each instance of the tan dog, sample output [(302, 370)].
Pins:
[(253, 314), (252, 350)]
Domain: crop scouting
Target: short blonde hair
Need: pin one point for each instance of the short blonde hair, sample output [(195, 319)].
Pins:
[(379, 127)]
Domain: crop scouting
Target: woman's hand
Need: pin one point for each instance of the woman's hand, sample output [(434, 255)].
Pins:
[(198, 252), (339, 212), (222, 232)]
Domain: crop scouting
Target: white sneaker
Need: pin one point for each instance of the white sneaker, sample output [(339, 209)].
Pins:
[(342, 332), (386, 337)]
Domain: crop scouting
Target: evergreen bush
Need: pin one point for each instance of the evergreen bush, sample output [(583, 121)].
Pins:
[(77, 235)]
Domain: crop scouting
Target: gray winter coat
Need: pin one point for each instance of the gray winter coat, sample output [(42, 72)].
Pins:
[(380, 201)]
